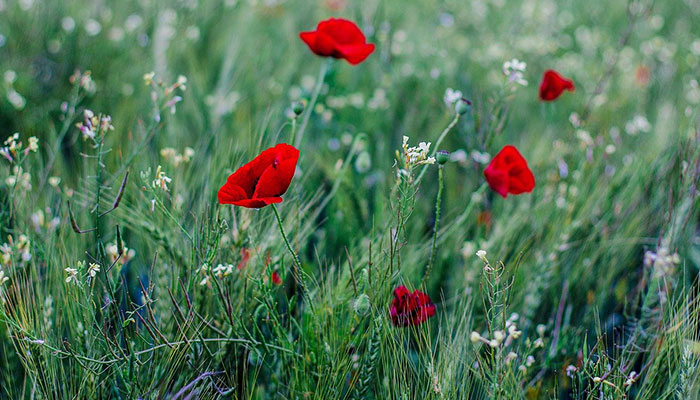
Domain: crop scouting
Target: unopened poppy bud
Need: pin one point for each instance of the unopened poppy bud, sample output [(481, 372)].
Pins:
[(462, 106), (297, 108), (362, 305), (442, 157)]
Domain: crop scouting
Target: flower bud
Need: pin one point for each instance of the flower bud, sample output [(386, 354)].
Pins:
[(462, 106), (442, 157), (474, 337), (297, 108), (362, 305)]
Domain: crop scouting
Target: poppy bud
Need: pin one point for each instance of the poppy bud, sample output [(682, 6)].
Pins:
[(442, 157), (462, 106), (297, 108), (362, 305)]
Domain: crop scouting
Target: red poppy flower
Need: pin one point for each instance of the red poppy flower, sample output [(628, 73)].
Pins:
[(553, 85), (262, 181), (276, 278), (338, 38), (508, 173), (410, 308)]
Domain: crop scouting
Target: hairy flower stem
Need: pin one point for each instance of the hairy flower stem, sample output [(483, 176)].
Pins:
[(297, 264), (310, 107), (436, 226)]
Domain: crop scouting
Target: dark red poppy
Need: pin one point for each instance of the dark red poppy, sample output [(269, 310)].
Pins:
[(508, 173), (276, 278), (262, 181), (553, 85), (338, 38), (410, 308)]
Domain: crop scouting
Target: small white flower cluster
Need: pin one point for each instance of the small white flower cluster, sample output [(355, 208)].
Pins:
[(3, 278), (503, 339), (571, 370), (638, 124), (514, 71), (223, 270), (506, 337), (92, 125), (631, 378), (21, 247), (10, 76), (161, 180), (113, 253), (83, 80), (416, 155), (204, 271), (451, 97), (13, 147), (168, 92), (72, 274), (662, 261), (93, 269), (171, 155), (19, 179), (90, 269)]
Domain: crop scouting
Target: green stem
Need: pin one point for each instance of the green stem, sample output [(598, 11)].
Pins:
[(297, 272), (297, 264), (437, 145), (435, 227), (294, 129), (310, 107)]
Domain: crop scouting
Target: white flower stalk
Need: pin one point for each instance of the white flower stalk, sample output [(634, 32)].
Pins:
[(72, 275), (514, 71), (161, 180), (93, 269)]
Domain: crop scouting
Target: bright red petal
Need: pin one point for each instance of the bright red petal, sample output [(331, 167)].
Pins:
[(342, 31), (355, 54), (230, 193), (257, 203), (310, 39)]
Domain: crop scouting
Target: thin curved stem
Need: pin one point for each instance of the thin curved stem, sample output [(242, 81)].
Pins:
[(437, 145), (297, 264), (310, 107), (297, 272)]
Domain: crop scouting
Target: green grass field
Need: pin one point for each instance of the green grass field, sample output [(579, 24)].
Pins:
[(123, 277)]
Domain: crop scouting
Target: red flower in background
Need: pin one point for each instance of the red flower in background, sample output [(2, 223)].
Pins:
[(508, 173), (262, 181), (276, 278), (245, 257), (553, 85), (410, 308), (338, 38)]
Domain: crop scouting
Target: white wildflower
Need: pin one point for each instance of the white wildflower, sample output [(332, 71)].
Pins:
[(72, 275), (451, 96), (93, 269), (161, 180), (33, 144), (514, 71)]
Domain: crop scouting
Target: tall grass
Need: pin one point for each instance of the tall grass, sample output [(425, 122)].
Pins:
[(118, 288)]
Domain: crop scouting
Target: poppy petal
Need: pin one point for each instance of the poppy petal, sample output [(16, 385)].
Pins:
[(257, 203), (230, 193), (355, 54)]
